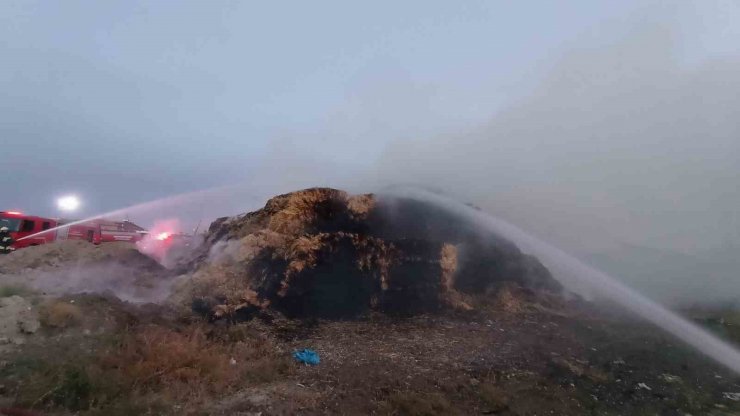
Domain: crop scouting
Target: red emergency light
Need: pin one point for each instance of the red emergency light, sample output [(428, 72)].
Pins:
[(14, 213)]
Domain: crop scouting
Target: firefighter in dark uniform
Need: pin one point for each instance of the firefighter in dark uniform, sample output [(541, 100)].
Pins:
[(6, 241)]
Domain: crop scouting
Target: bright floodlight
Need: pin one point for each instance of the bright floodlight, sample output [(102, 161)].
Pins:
[(68, 203)]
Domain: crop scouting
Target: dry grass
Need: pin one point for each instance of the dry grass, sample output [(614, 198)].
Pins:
[(507, 299), (152, 367), (303, 252), (448, 263), (494, 399), (293, 212), (157, 356), (191, 363), (361, 205), (253, 244), (373, 253), (245, 249), (215, 281), (60, 314)]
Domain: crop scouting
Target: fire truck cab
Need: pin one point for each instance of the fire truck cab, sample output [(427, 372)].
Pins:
[(21, 226)]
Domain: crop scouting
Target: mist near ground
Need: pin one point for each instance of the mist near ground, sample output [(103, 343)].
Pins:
[(102, 279), (72, 267), (611, 132)]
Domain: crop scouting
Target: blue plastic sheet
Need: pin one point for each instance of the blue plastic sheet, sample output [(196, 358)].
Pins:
[(307, 356)]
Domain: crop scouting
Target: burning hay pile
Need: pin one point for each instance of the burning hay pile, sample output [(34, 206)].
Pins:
[(321, 252)]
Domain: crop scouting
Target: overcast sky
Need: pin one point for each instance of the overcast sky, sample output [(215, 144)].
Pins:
[(593, 123)]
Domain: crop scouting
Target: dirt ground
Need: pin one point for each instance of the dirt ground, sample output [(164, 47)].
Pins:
[(94, 354), (501, 363), (536, 362)]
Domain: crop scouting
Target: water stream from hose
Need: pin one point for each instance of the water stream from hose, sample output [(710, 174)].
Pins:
[(574, 273), (213, 196)]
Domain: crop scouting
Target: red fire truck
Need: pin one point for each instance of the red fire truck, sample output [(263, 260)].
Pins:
[(29, 230)]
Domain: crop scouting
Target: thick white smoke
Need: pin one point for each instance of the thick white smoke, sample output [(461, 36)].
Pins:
[(625, 152)]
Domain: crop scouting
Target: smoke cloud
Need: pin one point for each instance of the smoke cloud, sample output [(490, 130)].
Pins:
[(622, 154), (621, 143)]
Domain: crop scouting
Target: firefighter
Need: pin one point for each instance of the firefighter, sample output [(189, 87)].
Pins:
[(5, 241)]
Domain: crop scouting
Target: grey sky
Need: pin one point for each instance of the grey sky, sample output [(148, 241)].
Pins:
[(593, 123), (624, 142)]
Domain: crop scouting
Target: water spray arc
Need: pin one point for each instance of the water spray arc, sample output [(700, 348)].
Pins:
[(577, 273), (170, 201)]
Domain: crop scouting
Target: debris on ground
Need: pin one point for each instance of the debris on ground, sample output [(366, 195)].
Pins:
[(307, 356), (731, 396), (669, 378)]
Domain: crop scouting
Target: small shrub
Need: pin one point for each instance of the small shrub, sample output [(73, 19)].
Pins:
[(494, 399), (75, 386), (14, 290), (73, 390), (60, 315), (160, 356)]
